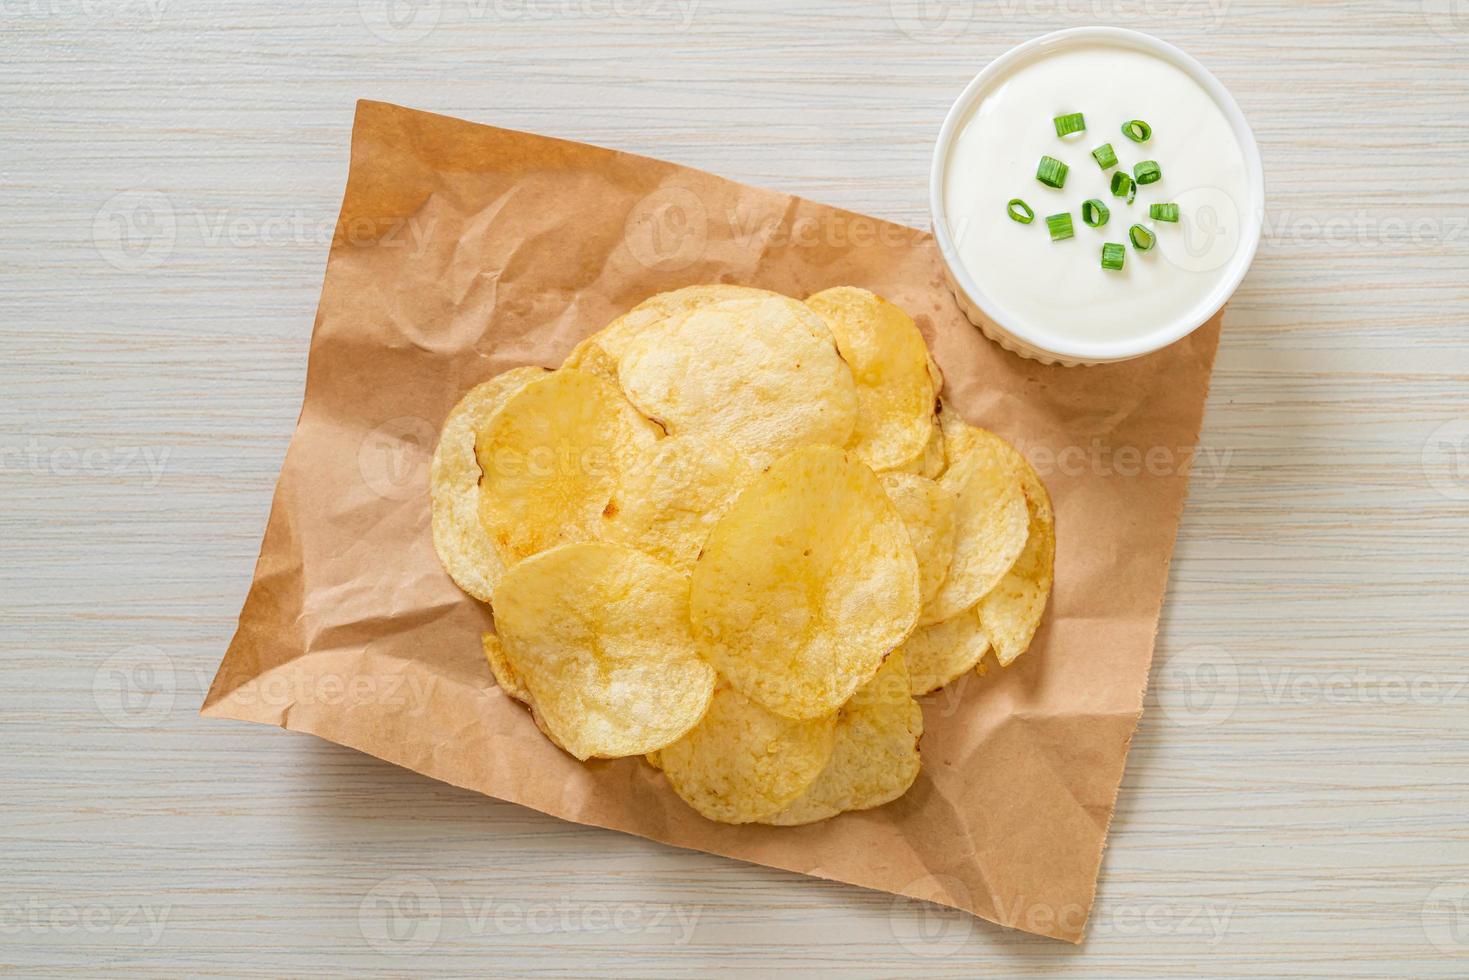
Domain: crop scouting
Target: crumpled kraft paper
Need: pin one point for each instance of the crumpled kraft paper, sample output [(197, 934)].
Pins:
[(463, 250)]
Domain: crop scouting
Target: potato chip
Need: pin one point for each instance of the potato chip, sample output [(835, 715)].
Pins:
[(936, 375), (742, 761), (511, 684), (550, 460), (991, 522), (805, 584), (669, 503), (875, 756), (465, 550), (927, 510), (764, 377), (1012, 611), (540, 722), (928, 464), (890, 363), (598, 633), (599, 353), (940, 652), (505, 675)]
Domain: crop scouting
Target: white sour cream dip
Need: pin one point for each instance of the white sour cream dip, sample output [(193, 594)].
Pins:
[(1060, 287)]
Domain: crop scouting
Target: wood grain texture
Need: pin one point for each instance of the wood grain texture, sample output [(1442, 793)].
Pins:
[(1297, 800)]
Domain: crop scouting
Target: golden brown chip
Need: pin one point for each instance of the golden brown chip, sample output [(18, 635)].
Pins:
[(742, 761), (875, 756), (991, 520), (599, 353), (890, 363), (668, 504), (940, 652), (466, 551), (927, 510), (805, 584), (505, 674), (550, 460), (936, 375), (928, 464), (1012, 611), (764, 377), (599, 635)]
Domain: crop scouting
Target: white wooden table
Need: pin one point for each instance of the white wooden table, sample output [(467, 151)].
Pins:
[(1297, 800)]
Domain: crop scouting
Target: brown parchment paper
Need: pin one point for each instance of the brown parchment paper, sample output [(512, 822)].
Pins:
[(464, 250)]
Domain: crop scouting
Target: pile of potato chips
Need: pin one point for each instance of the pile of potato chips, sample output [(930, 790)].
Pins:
[(737, 534)]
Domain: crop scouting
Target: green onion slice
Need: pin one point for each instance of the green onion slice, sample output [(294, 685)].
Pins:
[(1148, 172), (1073, 122), (1059, 225), (1051, 172), (1094, 213), (1121, 185), (1105, 157), (1137, 130), (1163, 212), (1113, 256), (1141, 238), (1020, 211)]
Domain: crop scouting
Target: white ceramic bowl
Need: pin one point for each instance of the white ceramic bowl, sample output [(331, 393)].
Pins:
[(1039, 340)]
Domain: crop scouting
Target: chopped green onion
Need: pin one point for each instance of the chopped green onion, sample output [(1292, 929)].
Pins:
[(1059, 226), (1163, 212), (1142, 239), (1137, 130), (1148, 172), (1051, 172), (1070, 123), (1020, 211), (1121, 185), (1113, 256), (1105, 157), (1094, 213)]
